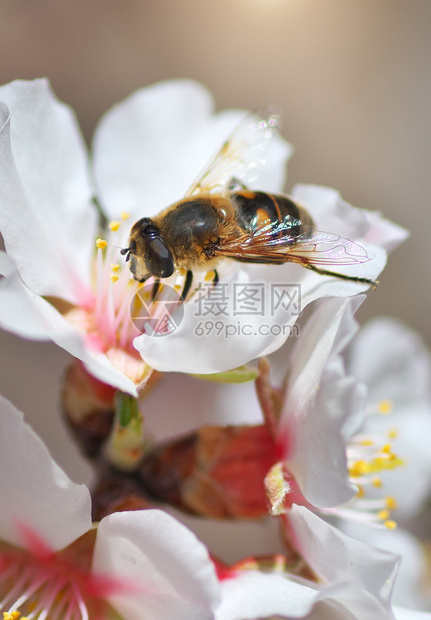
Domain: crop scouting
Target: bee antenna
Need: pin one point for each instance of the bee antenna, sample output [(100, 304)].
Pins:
[(125, 251)]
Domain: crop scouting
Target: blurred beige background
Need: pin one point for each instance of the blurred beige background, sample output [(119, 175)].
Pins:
[(352, 78)]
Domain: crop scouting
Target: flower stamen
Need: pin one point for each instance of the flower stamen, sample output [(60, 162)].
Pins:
[(367, 457)]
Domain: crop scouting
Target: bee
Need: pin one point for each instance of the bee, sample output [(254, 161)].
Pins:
[(220, 217)]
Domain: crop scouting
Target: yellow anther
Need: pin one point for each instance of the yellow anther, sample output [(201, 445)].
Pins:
[(182, 272), (114, 278), (360, 492), (383, 515), (209, 276), (124, 215), (393, 434), (387, 449), (277, 488), (391, 525), (114, 226), (385, 407), (376, 482), (391, 502), (386, 462), (115, 267), (359, 468), (177, 287), (367, 442), (380, 462), (101, 243)]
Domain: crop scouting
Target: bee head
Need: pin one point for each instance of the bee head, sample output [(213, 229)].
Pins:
[(150, 253)]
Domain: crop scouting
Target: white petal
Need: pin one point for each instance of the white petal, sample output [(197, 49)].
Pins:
[(384, 233), (409, 586), (409, 614), (147, 140), (393, 361), (333, 214), (214, 338), (31, 316), (168, 569), (369, 571), (150, 148), (34, 490), (254, 595), (47, 219), (330, 212), (18, 313), (322, 404)]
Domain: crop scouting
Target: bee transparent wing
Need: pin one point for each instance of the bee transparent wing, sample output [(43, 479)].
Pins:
[(276, 243), (329, 249), (242, 156)]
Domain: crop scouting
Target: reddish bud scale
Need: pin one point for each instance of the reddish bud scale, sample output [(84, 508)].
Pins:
[(216, 472), (88, 405)]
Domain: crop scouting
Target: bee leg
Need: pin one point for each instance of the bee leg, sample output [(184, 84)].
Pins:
[(156, 287), (187, 285), (340, 276), (235, 185), (216, 278)]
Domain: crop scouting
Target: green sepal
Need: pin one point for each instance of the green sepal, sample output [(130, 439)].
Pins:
[(242, 374), (127, 411)]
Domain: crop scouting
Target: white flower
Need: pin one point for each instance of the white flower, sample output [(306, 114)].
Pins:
[(396, 367), (375, 450), (142, 564), (354, 580), (148, 150), (394, 364)]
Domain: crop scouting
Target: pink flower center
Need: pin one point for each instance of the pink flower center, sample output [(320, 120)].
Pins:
[(103, 316), (41, 584)]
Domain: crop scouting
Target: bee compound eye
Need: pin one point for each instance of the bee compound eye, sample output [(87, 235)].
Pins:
[(158, 258)]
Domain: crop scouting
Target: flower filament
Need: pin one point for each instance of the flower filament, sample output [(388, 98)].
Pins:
[(41, 589), (367, 457)]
